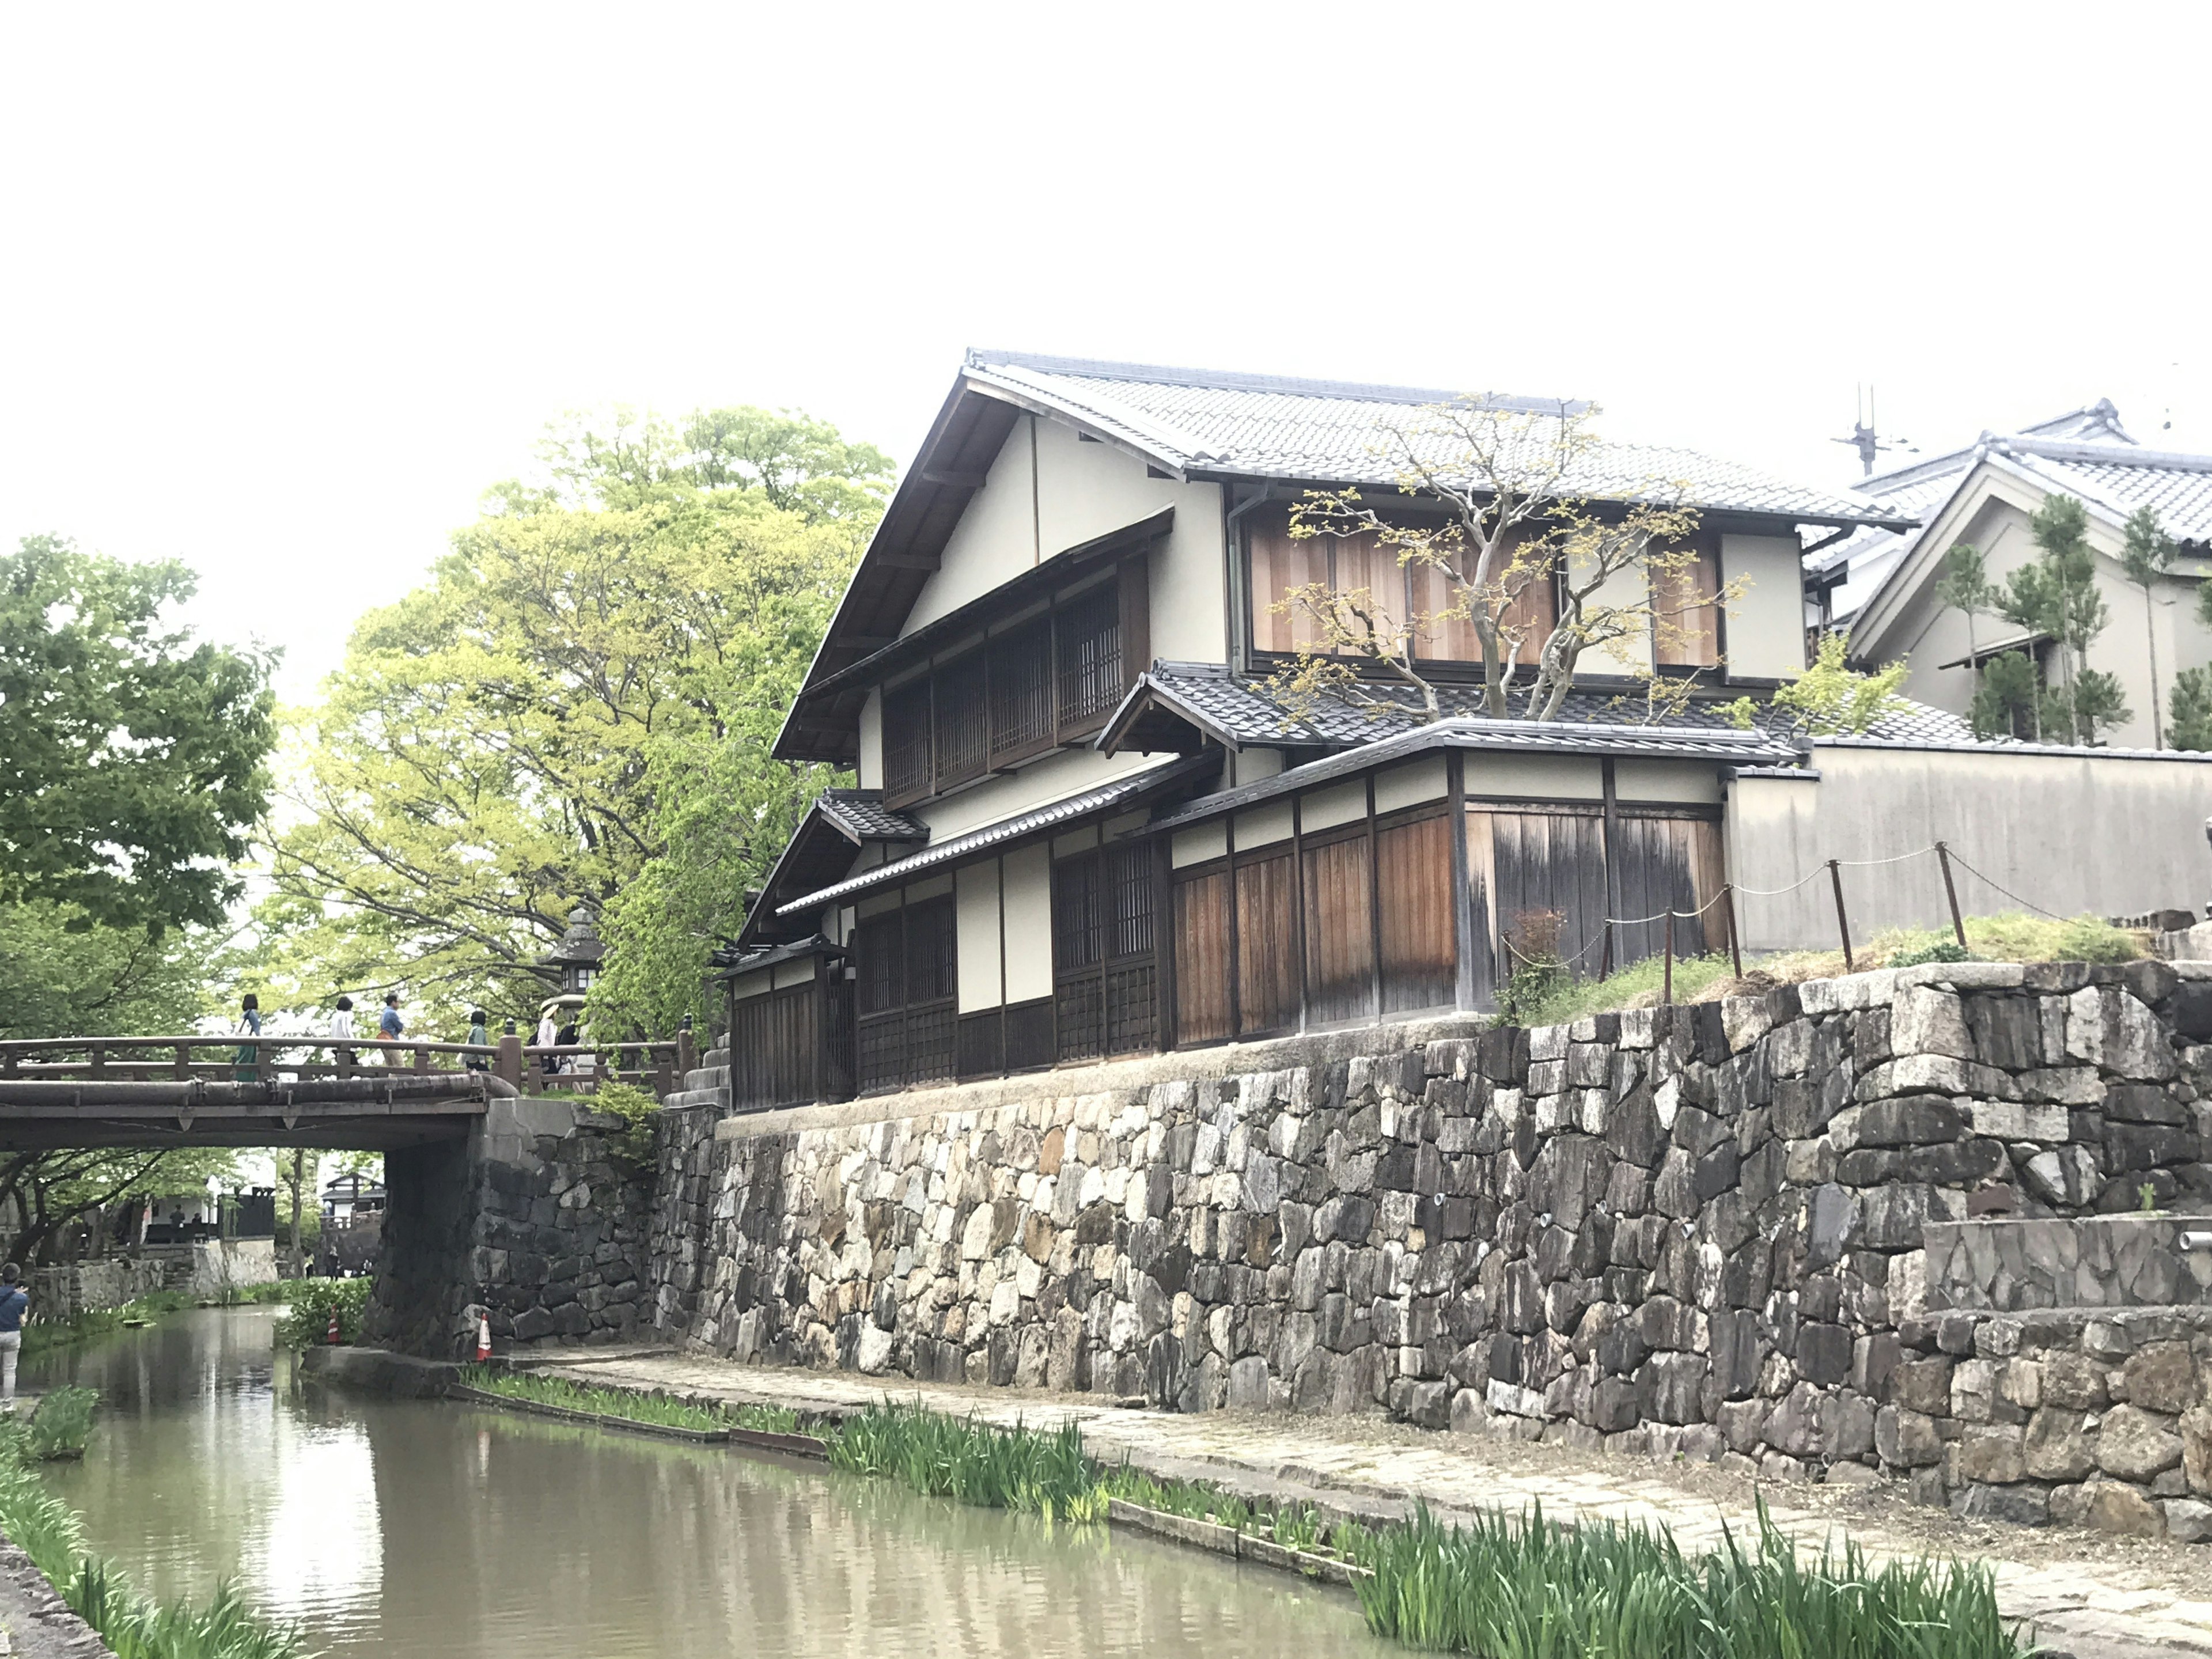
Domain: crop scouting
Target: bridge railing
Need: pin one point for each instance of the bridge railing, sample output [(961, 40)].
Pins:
[(578, 1069)]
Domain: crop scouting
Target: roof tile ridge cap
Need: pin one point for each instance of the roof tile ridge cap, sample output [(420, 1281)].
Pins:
[(1172, 442), (2128, 455), (1491, 723)]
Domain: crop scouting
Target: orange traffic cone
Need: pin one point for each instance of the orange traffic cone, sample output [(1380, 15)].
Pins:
[(334, 1328), (483, 1339)]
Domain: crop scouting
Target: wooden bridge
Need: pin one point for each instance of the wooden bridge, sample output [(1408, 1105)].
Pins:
[(360, 1094)]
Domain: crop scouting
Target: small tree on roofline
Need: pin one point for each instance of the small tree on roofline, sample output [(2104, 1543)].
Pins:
[(1512, 520)]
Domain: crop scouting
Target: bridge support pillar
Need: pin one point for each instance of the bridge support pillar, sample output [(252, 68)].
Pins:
[(538, 1217)]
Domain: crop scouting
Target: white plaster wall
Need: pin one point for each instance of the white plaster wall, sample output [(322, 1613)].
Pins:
[(1553, 777), (1078, 492), (871, 741), (1424, 780), (1028, 887), (976, 932), (1067, 772), (995, 540), (1695, 783), (1766, 626), (2106, 835)]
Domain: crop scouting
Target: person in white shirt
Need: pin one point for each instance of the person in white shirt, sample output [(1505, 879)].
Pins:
[(341, 1029), (548, 1034)]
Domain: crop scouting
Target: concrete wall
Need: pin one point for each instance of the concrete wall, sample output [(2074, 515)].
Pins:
[(2107, 834)]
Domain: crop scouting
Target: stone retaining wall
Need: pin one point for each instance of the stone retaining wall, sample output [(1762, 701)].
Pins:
[(539, 1218), (1694, 1229)]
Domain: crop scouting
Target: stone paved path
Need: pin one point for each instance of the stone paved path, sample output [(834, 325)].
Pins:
[(2090, 1608)]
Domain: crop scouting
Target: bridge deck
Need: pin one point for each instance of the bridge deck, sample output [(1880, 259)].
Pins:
[(368, 1113)]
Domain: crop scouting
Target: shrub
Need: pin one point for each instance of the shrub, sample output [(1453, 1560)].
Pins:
[(1943, 949), (307, 1324), (61, 1426)]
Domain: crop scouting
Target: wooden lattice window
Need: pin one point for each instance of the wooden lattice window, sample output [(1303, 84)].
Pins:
[(1087, 633), (1104, 981)]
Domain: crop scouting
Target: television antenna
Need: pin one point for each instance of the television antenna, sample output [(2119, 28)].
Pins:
[(1865, 437)]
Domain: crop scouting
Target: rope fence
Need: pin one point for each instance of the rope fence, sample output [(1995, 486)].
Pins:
[(1832, 868)]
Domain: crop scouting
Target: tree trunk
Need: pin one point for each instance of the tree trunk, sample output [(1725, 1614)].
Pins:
[(2150, 639)]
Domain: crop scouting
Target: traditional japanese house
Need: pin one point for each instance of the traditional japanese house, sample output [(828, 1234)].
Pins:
[(1087, 822)]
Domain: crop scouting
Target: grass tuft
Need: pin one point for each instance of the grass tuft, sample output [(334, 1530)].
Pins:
[(655, 1409)]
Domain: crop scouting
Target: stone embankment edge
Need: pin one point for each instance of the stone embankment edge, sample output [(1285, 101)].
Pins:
[(1217, 1539), (27, 1592)]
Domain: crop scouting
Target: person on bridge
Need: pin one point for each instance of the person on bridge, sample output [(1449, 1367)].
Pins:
[(247, 1061), (479, 1037), (390, 1026), (13, 1302), (341, 1031)]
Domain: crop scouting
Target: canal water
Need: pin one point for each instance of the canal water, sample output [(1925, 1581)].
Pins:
[(403, 1528)]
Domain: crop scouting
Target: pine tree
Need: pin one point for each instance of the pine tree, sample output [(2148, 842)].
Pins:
[(2146, 554), (2057, 596)]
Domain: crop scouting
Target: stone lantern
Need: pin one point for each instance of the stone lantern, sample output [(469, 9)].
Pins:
[(576, 958)]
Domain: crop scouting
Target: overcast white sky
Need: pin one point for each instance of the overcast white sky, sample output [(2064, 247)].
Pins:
[(282, 288)]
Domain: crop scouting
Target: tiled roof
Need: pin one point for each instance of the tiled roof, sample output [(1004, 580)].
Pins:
[(2179, 488), (1243, 709), (1863, 561), (1724, 745), (1130, 791), (862, 814), (1259, 427)]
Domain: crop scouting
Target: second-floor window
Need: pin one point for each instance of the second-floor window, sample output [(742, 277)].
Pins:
[(1035, 686)]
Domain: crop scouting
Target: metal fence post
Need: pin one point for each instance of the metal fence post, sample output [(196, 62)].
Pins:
[(1843, 921), (1735, 940), (1951, 893), (1667, 990)]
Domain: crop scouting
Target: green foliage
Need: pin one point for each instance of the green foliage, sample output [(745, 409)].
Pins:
[(2056, 595), (637, 1109), (1517, 1585), (61, 1426), (131, 760), (577, 706), (1637, 985), (41, 1525), (1742, 713), (1831, 697), (656, 1408), (1941, 950), (965, 1458), (2009, 701), (306, 1322), (2147, 552), (260, 1295), (1965, 584), (2146, 1199), (2192, 705)]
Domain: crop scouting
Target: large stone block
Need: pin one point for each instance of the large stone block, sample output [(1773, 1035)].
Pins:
[(2136, 1444)]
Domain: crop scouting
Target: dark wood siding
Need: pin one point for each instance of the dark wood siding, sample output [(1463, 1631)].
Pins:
[(906, 740), (1267, 945), (1340, 953), (963, 720), (1201, 955), (1413, 877), (1548, 885), (773, 1045)]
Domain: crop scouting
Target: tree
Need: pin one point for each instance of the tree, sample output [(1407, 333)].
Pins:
[(132, 758), (2056, 595), (2192, 709), (2009, 702), (1513, 517), (530, 729), (1831, 697), (2147, 553), (1965, 587)]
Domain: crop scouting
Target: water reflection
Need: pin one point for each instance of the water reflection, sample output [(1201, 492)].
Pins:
[(415, 1528)]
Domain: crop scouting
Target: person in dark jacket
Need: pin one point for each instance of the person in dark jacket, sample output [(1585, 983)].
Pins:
[(14, 1303)]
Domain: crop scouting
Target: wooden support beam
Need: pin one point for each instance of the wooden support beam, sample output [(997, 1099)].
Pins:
[(947, 479), (905, 560)]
